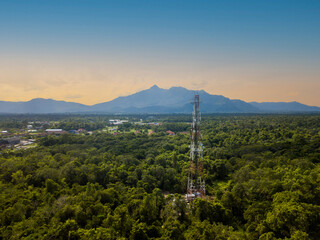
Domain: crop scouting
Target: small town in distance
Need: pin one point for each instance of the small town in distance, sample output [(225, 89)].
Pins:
[(26, 134)]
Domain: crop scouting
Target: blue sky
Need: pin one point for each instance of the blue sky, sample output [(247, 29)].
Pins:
[(93, 51)]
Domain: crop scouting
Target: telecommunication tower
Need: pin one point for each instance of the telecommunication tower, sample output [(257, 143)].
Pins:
[(196, 185)]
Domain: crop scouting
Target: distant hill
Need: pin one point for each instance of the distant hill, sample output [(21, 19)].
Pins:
[(156, 100), (284, 107), (40, 105)]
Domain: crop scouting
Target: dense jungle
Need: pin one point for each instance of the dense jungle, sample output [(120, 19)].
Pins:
[(262, 176)]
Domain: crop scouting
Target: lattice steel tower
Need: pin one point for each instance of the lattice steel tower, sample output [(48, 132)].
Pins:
[(196, 185)]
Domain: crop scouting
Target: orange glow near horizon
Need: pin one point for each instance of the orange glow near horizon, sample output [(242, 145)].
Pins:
[(96, 83)]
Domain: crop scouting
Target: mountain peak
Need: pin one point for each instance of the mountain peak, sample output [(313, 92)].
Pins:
[(39, 99), (155, 87)]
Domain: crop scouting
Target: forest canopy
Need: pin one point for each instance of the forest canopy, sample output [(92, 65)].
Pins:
[(262, 176)]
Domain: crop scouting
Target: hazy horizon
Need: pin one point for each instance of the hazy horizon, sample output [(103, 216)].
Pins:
[(95, 51), (196, 90)]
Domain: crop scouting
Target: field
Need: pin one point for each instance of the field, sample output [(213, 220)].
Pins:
[(262, 175)]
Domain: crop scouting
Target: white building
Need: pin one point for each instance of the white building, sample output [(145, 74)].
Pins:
[(117, 121)]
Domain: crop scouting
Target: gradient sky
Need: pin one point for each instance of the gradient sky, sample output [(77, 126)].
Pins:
[(92, 51)]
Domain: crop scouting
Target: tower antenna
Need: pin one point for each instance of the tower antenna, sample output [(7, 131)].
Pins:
[(196, 185)]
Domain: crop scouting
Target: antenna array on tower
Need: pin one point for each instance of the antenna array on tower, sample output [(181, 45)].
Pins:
[(196, 185)]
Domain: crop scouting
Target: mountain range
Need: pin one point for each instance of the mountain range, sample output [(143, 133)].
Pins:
[(156, 100)]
